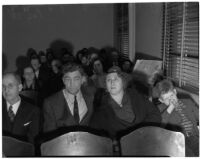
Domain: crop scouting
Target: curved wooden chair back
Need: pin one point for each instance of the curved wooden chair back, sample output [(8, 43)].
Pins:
[(15, 148), (153, 141), (77, 144)]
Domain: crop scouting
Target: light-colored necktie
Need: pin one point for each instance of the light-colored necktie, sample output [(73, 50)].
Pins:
[(11, 113)]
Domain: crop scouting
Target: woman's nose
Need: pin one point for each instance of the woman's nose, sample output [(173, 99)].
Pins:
[(112, 82)]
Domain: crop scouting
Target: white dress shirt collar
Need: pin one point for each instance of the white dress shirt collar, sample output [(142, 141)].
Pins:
[(71, 96), (15, 106), (37, 73), (81, 103)]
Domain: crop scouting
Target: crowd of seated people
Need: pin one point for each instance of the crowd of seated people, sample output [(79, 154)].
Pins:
[(94, 89)]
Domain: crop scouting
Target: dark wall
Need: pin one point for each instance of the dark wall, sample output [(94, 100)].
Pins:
[(149, 29), (82, 25)]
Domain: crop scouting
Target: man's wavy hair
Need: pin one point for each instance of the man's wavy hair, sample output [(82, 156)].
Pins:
[(72, 67), (163, 87)]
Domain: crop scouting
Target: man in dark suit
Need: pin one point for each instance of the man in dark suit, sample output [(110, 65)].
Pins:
[(71, 106), (20, 119), (42, 76)]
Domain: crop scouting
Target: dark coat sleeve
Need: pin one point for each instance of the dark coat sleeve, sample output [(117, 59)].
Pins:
[(49, 117), (35, 125), (104, 121), (146, 112), (152, 113), (98, 120)]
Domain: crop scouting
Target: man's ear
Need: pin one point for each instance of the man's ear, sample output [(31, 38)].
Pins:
[(20, 87), (160, 100), (83, 79), (174, 90), (63, 80)]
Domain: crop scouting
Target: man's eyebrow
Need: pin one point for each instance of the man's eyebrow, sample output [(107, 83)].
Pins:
[(77, 76)]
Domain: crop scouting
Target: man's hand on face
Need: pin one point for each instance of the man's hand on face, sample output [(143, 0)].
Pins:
[(173, 103), (169, 99), (170, 108)]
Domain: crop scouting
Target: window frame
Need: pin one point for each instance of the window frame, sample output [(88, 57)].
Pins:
[(179, 66)]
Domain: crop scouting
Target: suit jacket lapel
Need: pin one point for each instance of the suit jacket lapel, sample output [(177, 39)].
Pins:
[(21, 115), (67, 115), (89, 103), (6, 120), (133, 103)]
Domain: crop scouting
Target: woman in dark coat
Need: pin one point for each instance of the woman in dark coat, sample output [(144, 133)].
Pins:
[(122, 108)]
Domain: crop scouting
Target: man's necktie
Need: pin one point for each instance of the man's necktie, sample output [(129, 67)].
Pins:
[(11, 113), (76, 112)]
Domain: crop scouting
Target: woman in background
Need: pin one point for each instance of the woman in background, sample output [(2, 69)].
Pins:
[(127, 66), (99, 76), (29, 80)]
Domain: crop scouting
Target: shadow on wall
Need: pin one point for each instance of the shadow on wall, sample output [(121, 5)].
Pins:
[(140, 82), (30, 52), (21, 63), (4, 62), (58, 45), (145, 56), (107, 48)]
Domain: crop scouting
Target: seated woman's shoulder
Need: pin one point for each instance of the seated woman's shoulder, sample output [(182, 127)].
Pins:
[(88, 88), (133, 90)]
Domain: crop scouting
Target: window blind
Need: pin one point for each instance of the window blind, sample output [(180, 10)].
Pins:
[(122, 33), (181, 44)]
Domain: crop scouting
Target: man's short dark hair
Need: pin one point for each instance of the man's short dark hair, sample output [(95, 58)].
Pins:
[(35, 58), (71, 67), (41, 53), (164, 86)]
